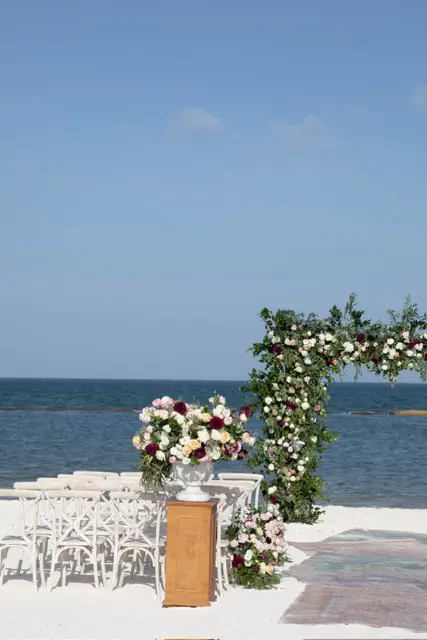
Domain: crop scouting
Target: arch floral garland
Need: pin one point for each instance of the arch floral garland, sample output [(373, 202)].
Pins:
[(300, 354)]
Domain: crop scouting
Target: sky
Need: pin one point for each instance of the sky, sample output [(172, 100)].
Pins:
[(170, 168)]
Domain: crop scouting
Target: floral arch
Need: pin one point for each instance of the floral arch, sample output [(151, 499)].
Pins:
[(300, 354)]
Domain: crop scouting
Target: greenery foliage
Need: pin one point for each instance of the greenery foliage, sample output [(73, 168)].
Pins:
[(299, 355)]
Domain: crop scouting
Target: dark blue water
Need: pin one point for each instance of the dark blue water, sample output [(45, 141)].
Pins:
[(380, 460)]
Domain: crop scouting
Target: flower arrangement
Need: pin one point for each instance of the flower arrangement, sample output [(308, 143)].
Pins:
[(257, 546), (300, 355), (175, 431)]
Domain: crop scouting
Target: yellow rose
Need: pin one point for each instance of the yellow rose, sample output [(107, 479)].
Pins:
[(205, 417), (225, 437), (136, 441), (187, 449), (269, 569), (194, 444)]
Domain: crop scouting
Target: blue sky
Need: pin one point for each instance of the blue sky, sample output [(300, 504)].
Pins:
[(168, 169)]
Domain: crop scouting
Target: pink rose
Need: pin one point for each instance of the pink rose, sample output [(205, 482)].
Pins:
[(318, 407), (157, 402), (172, 459)]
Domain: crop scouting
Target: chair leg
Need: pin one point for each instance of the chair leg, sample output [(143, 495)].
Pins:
[(219, 574), (34, 567), (2, 565), (103, 570), (52, 569), (63, 572), (157, 574), (95, 567), (115, 571)]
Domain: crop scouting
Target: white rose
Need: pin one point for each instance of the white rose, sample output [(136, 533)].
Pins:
[(160, 455), (215, 434), (228, 420), (268, 400), (384, 367), (243, 417), (185, 460), (271, 467), (221, 400), (409, 353), (179, 418), (313, 439), (219, 411), (203, 435), (275, 386), (167, 428), (289, 379), (272, 490), (349, 347), (305, 406), (399, 346), (266, 409), (390, 341), (307, 361), (147, 436)]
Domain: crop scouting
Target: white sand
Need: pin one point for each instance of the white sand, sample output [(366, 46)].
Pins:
[(80, 612)]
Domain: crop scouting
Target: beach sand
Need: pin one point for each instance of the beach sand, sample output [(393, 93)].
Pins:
[(81, 612)]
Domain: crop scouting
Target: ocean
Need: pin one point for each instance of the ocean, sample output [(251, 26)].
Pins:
[(57, 426)]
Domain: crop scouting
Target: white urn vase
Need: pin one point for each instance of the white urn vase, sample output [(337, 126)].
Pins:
[(192, 477)]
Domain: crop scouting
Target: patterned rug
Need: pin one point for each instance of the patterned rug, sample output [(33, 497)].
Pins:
[(375, 578)]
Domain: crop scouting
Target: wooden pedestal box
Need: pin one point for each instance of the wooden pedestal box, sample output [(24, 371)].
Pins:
[(190, 554)]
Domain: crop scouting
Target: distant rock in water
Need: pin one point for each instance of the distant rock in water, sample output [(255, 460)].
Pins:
[(410, 412)]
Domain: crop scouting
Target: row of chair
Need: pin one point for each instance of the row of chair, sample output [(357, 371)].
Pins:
[(106, 517)]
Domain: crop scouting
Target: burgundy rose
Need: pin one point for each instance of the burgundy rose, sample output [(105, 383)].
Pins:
[(413, 343), (375, 360), (151, 449), (216, 423), (290, 405), (180, 407), (425, 356), (273, 500), (360, 337), (228, 452), (237, 561), (276, 348), (237, 447), (288, 460), (329, 362), (282, 423), (246, 410), (199, 453), (242, 454)]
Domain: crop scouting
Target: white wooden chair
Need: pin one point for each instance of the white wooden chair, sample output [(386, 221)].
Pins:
[(23, 534), (256, 478), (138, 520), (75, 517)]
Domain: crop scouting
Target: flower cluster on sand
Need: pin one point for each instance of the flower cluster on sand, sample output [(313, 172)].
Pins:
[(257, 546), (176, 431)]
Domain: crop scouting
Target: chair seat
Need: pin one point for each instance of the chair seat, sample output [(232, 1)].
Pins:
[(74, 542), (137, 543), (8, 541)]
